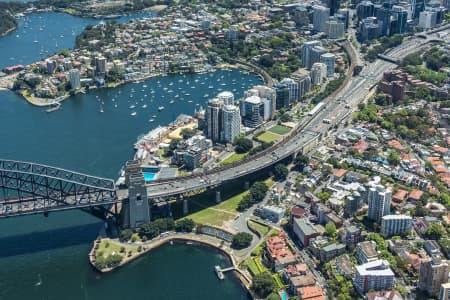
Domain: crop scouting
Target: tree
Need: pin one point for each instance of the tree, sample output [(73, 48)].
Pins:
[(243, 145), (125, 235), (273, 296), (330, 230), (301, 161), (394, 158), (184, 225), (324, 196), (280, 171), (263, 284), (285, 117), (172, 146), (258, 191), (241, 240), (412, 59), (434, 231), (149, 230), (245, 202), (187, 133)]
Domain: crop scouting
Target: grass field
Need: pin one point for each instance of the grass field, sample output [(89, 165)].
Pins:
[(260, 228), (233, 158), (208, 213), (107, 247), (268, 137), (280, 129), (251, 266)]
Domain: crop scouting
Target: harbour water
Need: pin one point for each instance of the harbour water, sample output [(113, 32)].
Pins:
[(46, 258)]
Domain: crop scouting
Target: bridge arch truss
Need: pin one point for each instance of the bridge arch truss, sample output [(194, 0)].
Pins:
[(29, 188)]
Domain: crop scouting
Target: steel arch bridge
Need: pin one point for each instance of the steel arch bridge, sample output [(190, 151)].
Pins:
[(29, 188)]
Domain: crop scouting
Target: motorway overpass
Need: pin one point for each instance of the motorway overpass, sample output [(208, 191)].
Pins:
[(43, 188)]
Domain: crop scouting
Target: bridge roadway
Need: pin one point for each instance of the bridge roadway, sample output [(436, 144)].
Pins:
[(352, 94)]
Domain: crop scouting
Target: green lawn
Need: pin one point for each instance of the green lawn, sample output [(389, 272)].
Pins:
[(268, 137), (278, 281), (107, 247), (233, 158), (260, 228), (251, 266), (217, 214), (280, 129)]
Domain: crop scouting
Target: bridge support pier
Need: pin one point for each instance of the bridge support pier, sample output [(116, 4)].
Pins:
[(218, 197), (246, 185), (185, 207), (169, 209), (139, 210)]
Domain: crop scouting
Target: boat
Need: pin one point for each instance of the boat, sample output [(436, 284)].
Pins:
[(190, 101), (35, 41), (210, 87), (133, 113), (160, 108), (53, 107), (154, 116), (144, 106), (171, 101), (151, 120), (132, 106), (187, 94), (101, 110)]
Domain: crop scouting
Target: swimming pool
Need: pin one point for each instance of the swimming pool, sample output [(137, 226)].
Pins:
[(149, 176), (283, 296)]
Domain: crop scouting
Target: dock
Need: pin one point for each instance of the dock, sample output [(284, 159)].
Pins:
[(219, 271)]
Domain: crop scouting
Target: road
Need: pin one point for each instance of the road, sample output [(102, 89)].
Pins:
[(355, 91)]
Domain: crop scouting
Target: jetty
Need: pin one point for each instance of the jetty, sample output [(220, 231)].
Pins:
[(219, 271)]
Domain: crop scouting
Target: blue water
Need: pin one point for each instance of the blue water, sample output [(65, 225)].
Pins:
[(46, 258), (53, 31), (284, 296), (149, 176)]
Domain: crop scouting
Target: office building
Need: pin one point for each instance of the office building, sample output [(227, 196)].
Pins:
[(226, 97), (335, 29), (74, 79), (329, 60), (433, 273), (232, 33), (333, 5), (369, 29), (268, 98), (364, 10), (352, 236), (316, 52), (252, 111), (51, 66), (366, 252), (395, 224), (427, 19), (318, 73), (321, 14), (304, 82), (304, 231), (293, 87), (379, 200), (302, 15), (306, 53), (231, 123), (100, 65), (214, 119), (282, 96), (444, 293), (400, 19), (375, 275)]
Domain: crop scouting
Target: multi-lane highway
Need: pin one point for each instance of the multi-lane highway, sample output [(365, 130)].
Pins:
[(336, 109)]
